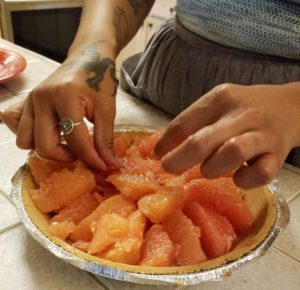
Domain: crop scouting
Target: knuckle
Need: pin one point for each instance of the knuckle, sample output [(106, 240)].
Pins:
[(195, 145), (37, 93), (39, 90), (176, 129), (62, 87), (224, 95), (236, 150), (266, 173), (224, 89)]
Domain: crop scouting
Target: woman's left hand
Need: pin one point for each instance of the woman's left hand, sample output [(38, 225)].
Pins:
[(247, 130)]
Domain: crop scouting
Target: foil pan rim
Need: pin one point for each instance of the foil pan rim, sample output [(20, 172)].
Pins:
[(217, 274)]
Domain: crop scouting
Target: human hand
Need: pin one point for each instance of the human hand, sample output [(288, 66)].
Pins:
[(84, 86), (247, 130)]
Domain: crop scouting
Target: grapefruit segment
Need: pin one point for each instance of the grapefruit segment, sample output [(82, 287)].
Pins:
[(159, 205), (81, 245), (225, 198), (109, 229), (128, 250), (125, 251), (133, 186), (121, 144), (41, 168), (192, 173), (62, 188), (147, 144), (116, 204), (80, 208), (186, 238), (61, 229), (157, 249), (217, 234)]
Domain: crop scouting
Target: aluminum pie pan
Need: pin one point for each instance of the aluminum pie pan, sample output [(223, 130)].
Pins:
[(214, 270)]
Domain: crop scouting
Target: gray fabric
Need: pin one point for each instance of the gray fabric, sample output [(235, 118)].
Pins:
[(263, 26), (177, 67)]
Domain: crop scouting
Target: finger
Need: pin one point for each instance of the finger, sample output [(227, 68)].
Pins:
[(47, 137), (25, 133), (12, 115), (103, 139), (261, 172), (233, 154), (202, 113), (198, 147), (82, 146), (79, 140)]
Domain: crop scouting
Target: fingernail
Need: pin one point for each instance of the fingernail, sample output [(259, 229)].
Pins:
[(101, 166)]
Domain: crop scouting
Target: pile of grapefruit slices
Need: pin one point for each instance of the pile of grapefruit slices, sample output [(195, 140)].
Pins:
[(140, 214)]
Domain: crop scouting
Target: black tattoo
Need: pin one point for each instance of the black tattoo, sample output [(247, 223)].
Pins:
[(136, 5), (118, 12), (120, 22), (95, 67), (115, 80)]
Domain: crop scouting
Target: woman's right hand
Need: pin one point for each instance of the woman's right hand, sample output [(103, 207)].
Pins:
[(84, 86)]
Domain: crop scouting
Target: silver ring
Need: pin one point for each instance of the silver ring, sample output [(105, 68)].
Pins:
[(67, 125)]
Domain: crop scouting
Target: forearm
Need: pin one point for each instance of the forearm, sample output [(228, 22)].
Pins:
[(111, 22)]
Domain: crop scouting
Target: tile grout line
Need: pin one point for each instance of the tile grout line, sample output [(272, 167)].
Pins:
[(14, 225), (293, 197), (6, 142), (9, 228), (292, 168), (7, 197), (288, 255), (98, 281)]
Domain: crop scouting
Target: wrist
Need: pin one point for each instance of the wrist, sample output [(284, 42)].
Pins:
[(105, 47)]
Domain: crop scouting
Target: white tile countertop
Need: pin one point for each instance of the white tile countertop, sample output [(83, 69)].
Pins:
[(25, 265)]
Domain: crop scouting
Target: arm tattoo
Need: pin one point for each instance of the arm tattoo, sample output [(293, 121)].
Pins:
[(136, 5), (120, 22), (96, 67), (115, 80)]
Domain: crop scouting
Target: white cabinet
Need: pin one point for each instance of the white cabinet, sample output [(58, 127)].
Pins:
[(161, 11)]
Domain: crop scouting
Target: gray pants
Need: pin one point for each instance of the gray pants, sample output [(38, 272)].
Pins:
[(178, 66)]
